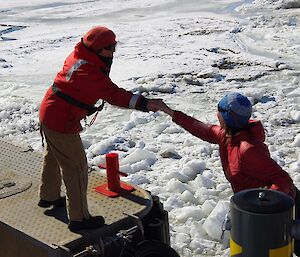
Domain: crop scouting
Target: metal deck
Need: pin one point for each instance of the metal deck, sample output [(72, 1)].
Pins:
[(27, 230)]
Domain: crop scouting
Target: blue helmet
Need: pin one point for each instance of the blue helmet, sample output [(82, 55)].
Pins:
[(235, 109)]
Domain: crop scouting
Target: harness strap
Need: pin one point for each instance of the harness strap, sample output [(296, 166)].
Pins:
[(42, 135), (90, 109)]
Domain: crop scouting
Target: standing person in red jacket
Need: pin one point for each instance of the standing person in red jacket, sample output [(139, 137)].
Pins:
[(83, 80), (245, 158)]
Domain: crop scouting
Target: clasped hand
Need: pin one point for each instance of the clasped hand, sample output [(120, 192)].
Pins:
[(155, 105)]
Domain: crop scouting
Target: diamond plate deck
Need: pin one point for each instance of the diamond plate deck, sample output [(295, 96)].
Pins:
[(47, 228)]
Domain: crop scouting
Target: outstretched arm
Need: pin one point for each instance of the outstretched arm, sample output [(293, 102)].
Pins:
[(166, 109), (197, 128)]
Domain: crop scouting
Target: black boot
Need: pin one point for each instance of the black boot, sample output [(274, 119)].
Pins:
[(90, 223), (60, 202)]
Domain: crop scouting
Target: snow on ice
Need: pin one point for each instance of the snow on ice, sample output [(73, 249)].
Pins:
[(189, 53)]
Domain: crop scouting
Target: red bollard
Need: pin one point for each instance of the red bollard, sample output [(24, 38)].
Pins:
[(112, 172), (114, 186)]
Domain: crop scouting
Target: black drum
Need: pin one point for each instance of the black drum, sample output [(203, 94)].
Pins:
[(261, 220)]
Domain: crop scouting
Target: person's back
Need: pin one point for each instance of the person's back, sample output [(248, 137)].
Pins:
[(249, 164)]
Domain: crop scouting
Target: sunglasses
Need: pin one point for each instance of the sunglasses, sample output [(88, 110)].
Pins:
[(111, 48), (220, 109)]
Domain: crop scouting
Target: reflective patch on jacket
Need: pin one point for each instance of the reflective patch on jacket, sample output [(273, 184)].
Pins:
[(75, 66)]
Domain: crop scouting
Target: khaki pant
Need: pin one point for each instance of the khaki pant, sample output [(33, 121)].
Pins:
[(64, 157)]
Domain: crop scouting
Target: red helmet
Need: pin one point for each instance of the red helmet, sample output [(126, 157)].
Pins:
[(99, 37)]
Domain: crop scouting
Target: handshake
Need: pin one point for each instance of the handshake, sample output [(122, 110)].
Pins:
[(155, 105)]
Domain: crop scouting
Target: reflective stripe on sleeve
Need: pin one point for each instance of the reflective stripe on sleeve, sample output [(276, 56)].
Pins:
[(133, 101), (75, 66)]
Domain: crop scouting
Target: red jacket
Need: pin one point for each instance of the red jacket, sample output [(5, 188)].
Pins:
[(83, 79), (245, 158)]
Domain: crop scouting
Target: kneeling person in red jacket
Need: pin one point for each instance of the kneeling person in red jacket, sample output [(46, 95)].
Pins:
[(245, 158), (83, 80)]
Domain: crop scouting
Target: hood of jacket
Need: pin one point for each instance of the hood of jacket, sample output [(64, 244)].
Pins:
[(81, 52), (255, 132)]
